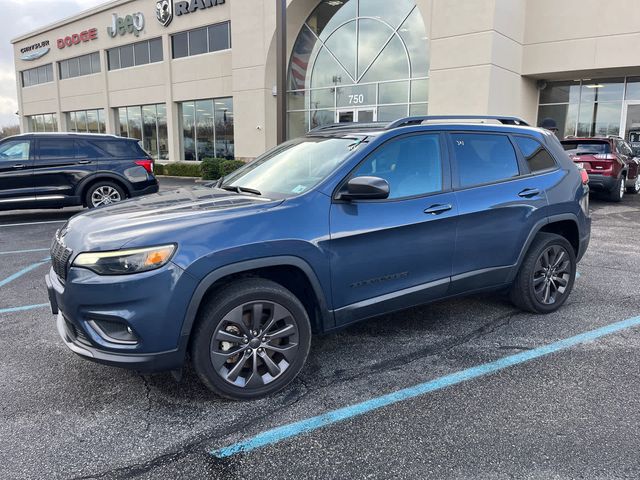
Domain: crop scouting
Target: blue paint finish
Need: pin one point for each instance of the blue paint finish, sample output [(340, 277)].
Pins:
[(22, 272), (23, 309), (15, 252), (287, 431)]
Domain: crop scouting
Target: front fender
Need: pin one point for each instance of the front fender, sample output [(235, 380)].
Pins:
[(246, 266)]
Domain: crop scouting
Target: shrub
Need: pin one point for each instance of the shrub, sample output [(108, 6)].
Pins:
[(159, 169), (211, 168), (183, 169), (230, 166)]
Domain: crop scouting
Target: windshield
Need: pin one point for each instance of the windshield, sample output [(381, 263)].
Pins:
[(586, 148), (294, 167)]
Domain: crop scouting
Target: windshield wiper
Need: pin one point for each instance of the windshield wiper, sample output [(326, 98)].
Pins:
[(229, 188)]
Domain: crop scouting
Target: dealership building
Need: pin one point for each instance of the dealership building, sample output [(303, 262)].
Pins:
[(197, 79)]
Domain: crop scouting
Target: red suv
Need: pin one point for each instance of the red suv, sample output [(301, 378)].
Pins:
[(610, 163)]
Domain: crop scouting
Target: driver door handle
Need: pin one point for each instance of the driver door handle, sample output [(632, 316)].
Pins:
[(19, 165), (438, 209), (84, 162), (529, 193)]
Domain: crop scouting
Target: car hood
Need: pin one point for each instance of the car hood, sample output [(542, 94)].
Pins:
[(156, 219)]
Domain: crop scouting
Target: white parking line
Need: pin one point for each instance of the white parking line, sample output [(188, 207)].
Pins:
[(31, 223)]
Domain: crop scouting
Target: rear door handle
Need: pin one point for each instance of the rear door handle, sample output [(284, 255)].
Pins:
[(84, 162), (437, 209), (19, 165), (529, 193)]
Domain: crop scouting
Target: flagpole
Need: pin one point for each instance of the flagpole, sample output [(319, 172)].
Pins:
[(281, 60)]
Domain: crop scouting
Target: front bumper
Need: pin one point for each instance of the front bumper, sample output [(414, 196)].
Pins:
[(152, 305)]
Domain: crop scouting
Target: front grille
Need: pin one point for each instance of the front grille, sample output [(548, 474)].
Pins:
[(60, 258)]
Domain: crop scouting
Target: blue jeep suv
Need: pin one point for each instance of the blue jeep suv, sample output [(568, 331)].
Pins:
[(346, 223)]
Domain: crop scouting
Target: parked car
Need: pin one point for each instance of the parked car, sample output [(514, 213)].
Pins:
[(344, 224), (610, 163), (55, 170)]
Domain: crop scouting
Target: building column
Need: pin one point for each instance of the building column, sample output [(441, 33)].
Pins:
[(174, 131)]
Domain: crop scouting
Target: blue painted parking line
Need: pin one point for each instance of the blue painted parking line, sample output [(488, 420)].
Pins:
[(23, 309), (294, 429), (22, 272), (16, 252)]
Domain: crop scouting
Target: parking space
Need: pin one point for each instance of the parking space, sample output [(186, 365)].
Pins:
[(570, 414)]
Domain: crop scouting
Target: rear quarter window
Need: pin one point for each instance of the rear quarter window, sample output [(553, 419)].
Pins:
[(120, 148), (537, 157)]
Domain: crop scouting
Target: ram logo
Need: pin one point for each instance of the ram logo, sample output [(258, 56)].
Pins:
[(164, 12)]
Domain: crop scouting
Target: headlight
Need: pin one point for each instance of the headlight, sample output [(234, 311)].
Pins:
[(123, 262)]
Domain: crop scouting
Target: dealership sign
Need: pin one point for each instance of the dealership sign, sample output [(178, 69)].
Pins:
[(165, 9), (129, 24), (77, 38), (35, 51)]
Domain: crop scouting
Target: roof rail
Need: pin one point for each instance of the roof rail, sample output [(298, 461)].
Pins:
[(349, 126), (405, 122)]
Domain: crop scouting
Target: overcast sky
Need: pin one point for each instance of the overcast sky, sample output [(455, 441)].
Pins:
[(19, 17)]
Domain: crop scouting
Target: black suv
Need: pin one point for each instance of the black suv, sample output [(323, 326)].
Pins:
[(55, 170)]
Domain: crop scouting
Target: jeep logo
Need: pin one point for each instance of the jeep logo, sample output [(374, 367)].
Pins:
[(129, 24)]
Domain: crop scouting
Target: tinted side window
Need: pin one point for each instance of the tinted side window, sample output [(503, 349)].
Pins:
[(14, 150), (536, 155), (120, 149), (484, 158), (412, 165), (49, 148), (86, 150)]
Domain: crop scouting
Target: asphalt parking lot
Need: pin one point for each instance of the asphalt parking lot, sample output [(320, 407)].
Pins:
[(570, 414)]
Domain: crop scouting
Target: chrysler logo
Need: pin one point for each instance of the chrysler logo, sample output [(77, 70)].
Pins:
[(164, 11)]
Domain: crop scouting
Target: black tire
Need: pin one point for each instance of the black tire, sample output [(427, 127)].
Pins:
[(103, 189), (617, 193), (218, 326), (526, 293), (636, 187)]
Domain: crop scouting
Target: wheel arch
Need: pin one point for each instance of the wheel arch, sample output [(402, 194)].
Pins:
[(293, 273), (565, 225), (87, 183)]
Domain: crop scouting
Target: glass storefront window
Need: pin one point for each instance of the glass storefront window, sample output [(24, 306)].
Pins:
[(207, 129), (586, 108), (47, 122), (348, 55), (148, 123)]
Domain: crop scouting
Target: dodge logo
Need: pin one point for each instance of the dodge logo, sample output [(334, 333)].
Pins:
[(164, 11)]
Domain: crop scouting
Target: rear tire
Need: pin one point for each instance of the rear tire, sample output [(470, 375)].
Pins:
[(617, 194), (104, 193), (252, 339), (546, 276)]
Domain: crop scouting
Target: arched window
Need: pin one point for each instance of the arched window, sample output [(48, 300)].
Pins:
[(358, 61)]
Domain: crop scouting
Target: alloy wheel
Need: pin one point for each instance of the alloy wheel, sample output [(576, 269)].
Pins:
[(105, 195), (622, 187), (254, 344), (636, 186), (552, 275)]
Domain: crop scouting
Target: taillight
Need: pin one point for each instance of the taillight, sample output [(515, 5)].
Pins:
[(584, 175), (605, 156), (146, 164)]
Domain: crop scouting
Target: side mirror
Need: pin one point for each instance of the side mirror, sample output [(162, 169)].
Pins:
[(365, 188)]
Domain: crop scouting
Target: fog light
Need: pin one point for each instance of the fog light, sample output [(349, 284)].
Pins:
[(114, 332)]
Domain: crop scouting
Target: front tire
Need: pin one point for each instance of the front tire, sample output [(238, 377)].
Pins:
[(636, 186), (547, 275), (252, 339)]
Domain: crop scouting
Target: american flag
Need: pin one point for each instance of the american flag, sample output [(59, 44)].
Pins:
[(300, 59)]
